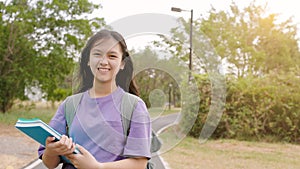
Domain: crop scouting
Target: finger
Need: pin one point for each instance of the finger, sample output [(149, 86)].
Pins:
[(63, 139), (50, 139), (68, 143), (73, 147), (81, 149), (69, 149), (70, 156)]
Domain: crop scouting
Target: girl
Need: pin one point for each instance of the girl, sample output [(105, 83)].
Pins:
[(106, 73)]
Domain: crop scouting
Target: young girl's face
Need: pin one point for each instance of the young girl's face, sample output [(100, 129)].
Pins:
[(106, 60)]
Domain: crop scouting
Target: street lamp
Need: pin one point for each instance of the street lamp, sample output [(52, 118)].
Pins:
[(170, 90), (191, 36)]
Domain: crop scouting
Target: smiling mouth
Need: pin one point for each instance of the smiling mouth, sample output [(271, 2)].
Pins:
[(103, 69)]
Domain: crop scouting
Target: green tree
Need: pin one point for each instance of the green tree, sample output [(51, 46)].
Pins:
[(263, 57), (154, 72), (250, 40), (39, 42)]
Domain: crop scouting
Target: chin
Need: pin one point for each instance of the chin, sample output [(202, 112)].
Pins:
[(102, 80)]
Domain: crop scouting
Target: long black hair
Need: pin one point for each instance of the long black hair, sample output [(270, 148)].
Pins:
[(124, 77)]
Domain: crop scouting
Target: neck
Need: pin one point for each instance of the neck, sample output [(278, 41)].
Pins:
[(101, 90)]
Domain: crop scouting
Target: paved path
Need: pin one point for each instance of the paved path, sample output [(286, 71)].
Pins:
[(163, 122), (158, 125)]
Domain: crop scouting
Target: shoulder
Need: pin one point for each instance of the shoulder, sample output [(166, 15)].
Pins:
[(71, 102), (139, 104), (74, 96), (131, 98)]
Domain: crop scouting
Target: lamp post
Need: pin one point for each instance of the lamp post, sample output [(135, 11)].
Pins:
[(170, 92), (191, 36)]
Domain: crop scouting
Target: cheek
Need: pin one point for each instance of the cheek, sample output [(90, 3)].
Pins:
[(93, 65), (93, 61), (119, 65)]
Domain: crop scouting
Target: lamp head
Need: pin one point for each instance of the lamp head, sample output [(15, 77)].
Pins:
[(176, 9)]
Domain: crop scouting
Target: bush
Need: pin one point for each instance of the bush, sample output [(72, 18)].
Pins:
[(257, 108)]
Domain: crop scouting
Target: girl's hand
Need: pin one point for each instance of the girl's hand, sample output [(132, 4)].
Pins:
[(83, 160), (64, 146)]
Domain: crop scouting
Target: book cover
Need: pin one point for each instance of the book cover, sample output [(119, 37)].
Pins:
[(38, 130)]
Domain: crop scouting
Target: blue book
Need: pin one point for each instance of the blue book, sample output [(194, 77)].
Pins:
[(38, 130)]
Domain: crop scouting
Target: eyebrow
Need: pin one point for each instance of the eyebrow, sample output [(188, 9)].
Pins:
[(113, 52), (109, 52), (96, 50)]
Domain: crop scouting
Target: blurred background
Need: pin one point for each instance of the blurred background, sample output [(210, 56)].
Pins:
[(238, 61)]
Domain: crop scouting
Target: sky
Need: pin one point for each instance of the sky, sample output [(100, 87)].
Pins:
[(114, 10)]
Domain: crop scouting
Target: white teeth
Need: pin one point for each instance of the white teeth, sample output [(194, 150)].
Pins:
[(103, 69)]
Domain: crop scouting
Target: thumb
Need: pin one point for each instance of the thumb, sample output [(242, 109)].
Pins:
[(81, 149), (50, 139)]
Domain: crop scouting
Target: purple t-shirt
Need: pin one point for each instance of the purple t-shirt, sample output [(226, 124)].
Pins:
[(98, 128)]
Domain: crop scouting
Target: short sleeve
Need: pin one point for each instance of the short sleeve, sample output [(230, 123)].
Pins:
[(58, 122), (139, 137)]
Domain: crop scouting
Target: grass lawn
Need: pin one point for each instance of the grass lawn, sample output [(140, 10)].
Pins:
[(41, 110), (190, 154), (232, 154)]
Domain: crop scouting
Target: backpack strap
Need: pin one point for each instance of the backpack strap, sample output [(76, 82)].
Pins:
[(71, 105), (128, 105)]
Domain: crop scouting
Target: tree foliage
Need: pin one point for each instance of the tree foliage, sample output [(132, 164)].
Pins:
[(155, 73), (39, 42), (250, 40), (262, 58), (257, 108)]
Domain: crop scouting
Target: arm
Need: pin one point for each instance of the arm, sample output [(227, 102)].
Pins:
[(49, 160), (86, 160)]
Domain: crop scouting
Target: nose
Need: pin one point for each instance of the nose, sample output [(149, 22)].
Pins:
[(103, 60)]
